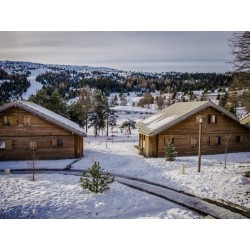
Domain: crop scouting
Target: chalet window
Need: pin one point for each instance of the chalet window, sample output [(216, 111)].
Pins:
[(55, 143), (10, 120), (26, 120), (197, 119), (194, 142), (239, 139), (2, 145), (6, 120), (212, 119), (214, 140), (33, 145), (59, 142), (9, 144)]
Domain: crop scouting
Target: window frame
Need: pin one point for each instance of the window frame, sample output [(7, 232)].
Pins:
[(9, 144), (6, 121), (2, 145), (57, 142), (33, 147), (9, 120), (192, 140), (26, 120), (215, 140), (239, 139), (210, 120)]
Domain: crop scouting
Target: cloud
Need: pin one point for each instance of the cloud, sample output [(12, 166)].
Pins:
[(125, 50)]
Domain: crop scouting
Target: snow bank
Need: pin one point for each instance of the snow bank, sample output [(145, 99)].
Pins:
[(56, 164), (240, 180)]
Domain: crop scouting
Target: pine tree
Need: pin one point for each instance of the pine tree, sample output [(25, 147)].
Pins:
[(51, 100), (75, 114), (95, 179), (170, 152), (97, 117), (111, 118)]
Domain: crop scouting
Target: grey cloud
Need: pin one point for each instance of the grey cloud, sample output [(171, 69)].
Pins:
[(123, 50)]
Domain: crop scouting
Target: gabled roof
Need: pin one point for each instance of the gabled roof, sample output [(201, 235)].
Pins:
[(46, 115), (174, 114), (245, 119)]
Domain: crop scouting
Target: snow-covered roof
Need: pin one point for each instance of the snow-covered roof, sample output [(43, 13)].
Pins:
[(47, 115), (132, 109), (245, 119), (174, 114)]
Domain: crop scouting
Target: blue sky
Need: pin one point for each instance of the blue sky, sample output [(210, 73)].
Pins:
[(137, 51)]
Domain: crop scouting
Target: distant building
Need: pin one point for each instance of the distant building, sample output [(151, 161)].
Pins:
[(27, 129), (180, 124)]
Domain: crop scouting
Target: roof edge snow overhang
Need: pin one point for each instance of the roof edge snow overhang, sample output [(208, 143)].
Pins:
[(182, 118), (41, 115)]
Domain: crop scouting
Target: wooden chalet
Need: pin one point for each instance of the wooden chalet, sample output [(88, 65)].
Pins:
[(29, 131), (180, 124)]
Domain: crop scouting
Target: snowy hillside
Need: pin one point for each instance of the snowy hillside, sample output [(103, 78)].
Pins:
[(34, 85)]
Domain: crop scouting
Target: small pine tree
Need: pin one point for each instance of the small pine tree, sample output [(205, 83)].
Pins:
[(96, 180), (170, 152)]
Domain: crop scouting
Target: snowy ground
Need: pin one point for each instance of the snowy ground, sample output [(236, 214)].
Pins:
[(60, 196), (213, 182)]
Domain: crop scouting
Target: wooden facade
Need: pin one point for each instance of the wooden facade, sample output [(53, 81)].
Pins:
[(216, 129), (24, 135)]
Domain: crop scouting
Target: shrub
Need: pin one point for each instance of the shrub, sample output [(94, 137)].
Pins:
[(95, 179)]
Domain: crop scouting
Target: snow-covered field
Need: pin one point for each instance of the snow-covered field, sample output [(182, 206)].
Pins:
[(213, 182), (60, 196)]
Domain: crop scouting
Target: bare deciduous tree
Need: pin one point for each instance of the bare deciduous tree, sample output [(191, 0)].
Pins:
[(85, 103), (240, 46), (32, 164), (227, 137)]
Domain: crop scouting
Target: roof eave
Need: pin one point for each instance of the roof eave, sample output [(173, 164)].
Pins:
[(180, 119), (54, 121)]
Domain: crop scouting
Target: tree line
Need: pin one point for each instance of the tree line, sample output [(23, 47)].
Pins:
[(12, 86), (69, 82)]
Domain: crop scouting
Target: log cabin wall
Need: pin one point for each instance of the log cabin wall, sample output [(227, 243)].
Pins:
[(23, 134), (214, 135)]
